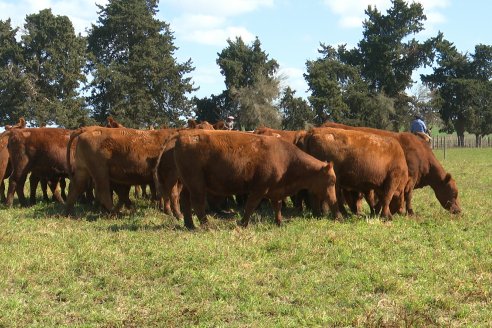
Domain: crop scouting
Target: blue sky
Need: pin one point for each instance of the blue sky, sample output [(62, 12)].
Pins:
[(290, 30)]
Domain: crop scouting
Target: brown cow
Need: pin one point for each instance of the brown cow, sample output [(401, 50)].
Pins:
[(121, 156), (5, 167), (423, 168), (293, 137), (362, 162), (287, 135), (229, 162), (39, 151)]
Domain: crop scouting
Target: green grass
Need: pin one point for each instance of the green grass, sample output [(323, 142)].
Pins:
[(144, 269)]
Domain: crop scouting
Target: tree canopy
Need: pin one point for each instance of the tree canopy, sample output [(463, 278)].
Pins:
[(135, 75), (251, 83), (367, 85), (463, 86)]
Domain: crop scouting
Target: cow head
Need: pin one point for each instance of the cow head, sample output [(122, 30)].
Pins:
[(113, 124), (325, 188), (20, 125), (447, 194)]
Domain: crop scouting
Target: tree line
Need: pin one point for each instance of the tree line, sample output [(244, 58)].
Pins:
[(125, 67)]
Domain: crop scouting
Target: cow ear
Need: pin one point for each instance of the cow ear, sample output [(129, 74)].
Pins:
[(328, 166), (447, 178), (22, 122)]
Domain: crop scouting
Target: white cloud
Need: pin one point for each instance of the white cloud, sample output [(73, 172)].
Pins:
[(294, 78), (223, 8), (81, 12), (352, 14), (209, 30)]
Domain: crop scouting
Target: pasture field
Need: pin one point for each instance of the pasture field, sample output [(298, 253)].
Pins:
[(144, 269)]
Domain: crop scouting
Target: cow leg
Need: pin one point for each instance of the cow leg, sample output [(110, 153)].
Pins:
[(54, 185), (19, 189), (374, 205), (341, 201), (171, 189), (138, 191), (45, 183), (63, 187), (33, 185), (408, 201), (123, 192), (10, 192), (4, 172), (198, 204), (2, 191), (104, 194), (174, 200), (386, 196), (277, 207), (252, 203), (354, 200), (187, 215), (78, 184), (144, 191)]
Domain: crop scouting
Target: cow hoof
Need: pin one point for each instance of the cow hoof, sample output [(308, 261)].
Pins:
[(190, 227), (242, 223)]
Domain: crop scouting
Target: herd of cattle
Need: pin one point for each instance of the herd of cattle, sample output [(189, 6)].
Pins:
[(191, 168)]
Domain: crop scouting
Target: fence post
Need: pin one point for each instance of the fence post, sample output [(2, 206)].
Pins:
[(444, 147)]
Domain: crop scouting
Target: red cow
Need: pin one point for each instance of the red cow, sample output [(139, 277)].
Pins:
[(423, 168), (229, 162), (121, 156), (39, 151), (362, 162), (5, 167)]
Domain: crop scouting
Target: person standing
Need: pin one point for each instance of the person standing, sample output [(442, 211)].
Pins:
[(418, 125), (229, 123)]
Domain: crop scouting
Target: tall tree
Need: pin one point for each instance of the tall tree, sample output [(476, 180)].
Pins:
[(53, 58), (12, 83), (210, 109), (328, 78), (296, 112), (462, 86), (135, 75), (251, 83), (385, 60)]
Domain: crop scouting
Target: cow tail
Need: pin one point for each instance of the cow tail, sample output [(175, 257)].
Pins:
[(73, 135), (155, 171)]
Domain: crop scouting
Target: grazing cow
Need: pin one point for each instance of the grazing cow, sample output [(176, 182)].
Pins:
[(229, 162), (121, 156), (362, 162), (293, 137), (423, 168), (39, 151)]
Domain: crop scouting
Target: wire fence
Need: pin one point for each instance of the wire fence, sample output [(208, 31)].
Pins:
[(450, 141)]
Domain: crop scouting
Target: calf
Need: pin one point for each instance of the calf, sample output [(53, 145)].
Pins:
[(229, 162), (363, 162)]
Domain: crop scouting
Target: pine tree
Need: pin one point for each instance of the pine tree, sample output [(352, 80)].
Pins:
[(136, 78)]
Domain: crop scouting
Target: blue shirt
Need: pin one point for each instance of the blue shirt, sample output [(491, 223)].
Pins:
[(418, 126)]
